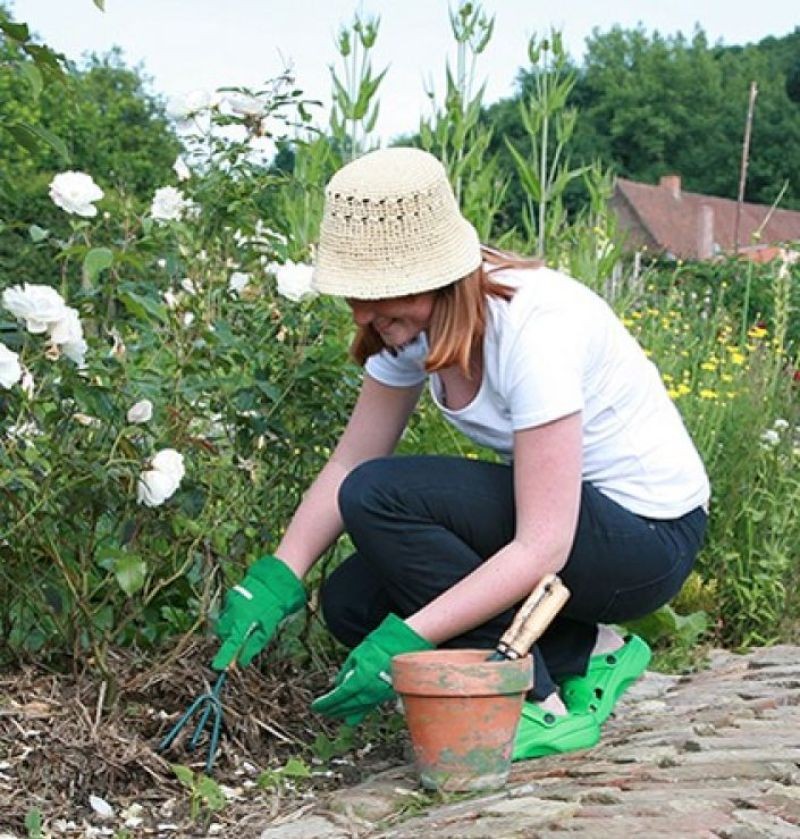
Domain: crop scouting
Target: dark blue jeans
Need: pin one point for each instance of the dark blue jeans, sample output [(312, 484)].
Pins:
[(420, 524)]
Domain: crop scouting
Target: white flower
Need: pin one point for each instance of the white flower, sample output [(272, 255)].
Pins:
[(188, 318), (158, 483), (182, 107), (770, 438), (67, 334), (294, 280), (780, 424), (188, 285), (241, 104), (140, 412), (238, 282), (169, 204), (170, 462), (75, 192), (40, 306), (180, 168), (171, 299), (10, 368)]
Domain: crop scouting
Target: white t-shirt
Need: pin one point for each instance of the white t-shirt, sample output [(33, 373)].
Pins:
[(556, 348)]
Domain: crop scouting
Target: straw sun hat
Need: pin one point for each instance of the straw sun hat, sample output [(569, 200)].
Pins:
[(391, 227)]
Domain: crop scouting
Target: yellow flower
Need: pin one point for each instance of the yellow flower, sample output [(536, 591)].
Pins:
[(737, 357), (667, 377), (709, 365), (726, 377), (705, 393), (756, 332), (673, 393), (683, 389)]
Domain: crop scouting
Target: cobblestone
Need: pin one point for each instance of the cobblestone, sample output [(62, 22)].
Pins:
[(714, 755)]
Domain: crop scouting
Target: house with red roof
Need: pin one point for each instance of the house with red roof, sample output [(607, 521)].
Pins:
[(665, 219)]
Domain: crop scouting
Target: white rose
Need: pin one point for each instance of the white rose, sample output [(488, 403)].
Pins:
[(75, 192), (242, 104), (170, 462), (190, 103), (39, 306), (294, 280), (238, 282), (140, 412), (67, 334), (154, 488), (10, 368), (181, 169), (76, 351), (169, 204), (158, 483)]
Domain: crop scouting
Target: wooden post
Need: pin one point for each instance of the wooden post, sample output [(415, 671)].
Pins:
[(745, 157)]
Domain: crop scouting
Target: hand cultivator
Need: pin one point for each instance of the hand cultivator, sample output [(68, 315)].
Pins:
[(209, 707)]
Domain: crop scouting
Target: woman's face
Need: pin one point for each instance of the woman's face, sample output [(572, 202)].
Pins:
[(398, 320)]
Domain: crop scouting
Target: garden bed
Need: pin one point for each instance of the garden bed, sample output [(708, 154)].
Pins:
[(64, 757)]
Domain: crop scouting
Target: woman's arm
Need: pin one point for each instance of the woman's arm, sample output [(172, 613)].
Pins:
[(547, 486), (375, 425)]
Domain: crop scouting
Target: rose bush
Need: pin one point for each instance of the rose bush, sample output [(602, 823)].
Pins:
[(156, 391)]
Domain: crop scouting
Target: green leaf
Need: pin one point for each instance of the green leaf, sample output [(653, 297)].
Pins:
[(211, 792), (131, 572), (101, 4), (143, 307), (183, 774), (28, 135), (33, 823), (296, 768), (37, 234), (15, 31), (95, 261), (33, 76)]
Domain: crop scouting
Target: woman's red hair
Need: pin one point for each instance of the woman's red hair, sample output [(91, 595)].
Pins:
[(458, 320)]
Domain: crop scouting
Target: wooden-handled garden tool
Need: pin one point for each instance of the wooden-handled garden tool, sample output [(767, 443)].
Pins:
[(532, 618)]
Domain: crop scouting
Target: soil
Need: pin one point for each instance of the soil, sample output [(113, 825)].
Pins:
[(65, 743)]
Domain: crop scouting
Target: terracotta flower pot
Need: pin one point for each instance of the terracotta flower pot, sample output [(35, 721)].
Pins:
[(462, 713)]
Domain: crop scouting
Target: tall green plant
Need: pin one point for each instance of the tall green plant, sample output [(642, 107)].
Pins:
[(544, 170), (455, 133), (355, 110)]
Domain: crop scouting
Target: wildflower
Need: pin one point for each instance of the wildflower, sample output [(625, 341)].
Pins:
[(10, 368), (169, 204), (770, 438), (706, 393), (159, 482), (737, 358), (709, 365), (780, 424), (188, 318), (238, 281), (183, 107), (75, 192), (171, 299), (294, 280), (140, 412), (188, 285), (756, 332)]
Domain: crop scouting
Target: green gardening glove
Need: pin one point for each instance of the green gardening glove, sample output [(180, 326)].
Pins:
[(268, 593), (364, 680)]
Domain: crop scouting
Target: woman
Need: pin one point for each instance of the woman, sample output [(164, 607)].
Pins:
[(601, 485)]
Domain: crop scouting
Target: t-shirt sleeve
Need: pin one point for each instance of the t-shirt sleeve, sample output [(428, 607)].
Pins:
[(543, 369), (404, 369)]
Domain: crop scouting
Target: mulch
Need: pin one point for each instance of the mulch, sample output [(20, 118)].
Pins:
[(64, 742)]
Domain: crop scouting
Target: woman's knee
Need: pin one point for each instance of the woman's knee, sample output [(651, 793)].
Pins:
[(359, 491)]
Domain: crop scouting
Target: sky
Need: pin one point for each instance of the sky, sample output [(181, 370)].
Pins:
[(186, 45)]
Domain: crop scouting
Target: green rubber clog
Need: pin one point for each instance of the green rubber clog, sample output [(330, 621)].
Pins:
[(541, 733), (607, 677)]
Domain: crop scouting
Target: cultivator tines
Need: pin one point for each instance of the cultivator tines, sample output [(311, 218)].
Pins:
[(208, 706)]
